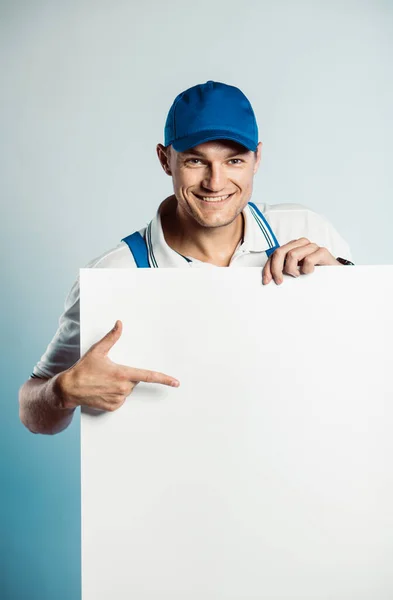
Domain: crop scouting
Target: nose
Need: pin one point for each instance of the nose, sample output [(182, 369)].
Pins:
[(214, 178)]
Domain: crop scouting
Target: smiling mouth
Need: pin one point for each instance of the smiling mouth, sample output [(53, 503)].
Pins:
[(213, 199)]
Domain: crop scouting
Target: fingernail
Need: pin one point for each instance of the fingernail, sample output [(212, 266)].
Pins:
[(115, 326), (175, 383)]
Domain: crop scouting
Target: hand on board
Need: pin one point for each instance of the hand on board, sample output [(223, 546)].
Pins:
[(295, 258), (97, 382)]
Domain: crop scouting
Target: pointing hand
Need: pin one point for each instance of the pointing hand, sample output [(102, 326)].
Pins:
[(99, 383)]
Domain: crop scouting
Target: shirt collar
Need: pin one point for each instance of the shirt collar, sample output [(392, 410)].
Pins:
[(256, 236), (162, 255)]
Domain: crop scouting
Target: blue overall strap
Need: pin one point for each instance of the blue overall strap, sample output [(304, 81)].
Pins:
[(265, 228), (138, 248)]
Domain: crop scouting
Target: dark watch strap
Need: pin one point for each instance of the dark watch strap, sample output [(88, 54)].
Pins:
[(344, 261)]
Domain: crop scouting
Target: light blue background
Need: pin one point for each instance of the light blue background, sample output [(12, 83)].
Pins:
[(85, 91)]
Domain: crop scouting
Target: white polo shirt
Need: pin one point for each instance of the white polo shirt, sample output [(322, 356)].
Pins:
[(288, 222)]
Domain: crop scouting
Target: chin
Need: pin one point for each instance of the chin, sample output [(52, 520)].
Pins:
[(216, 220)]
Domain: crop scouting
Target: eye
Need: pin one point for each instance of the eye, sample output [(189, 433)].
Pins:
[(193, 161), (236, 161)]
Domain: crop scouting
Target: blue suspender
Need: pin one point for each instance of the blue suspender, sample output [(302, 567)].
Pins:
[(138, 247)]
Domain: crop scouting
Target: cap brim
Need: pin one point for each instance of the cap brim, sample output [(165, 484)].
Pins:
[(201, 137)]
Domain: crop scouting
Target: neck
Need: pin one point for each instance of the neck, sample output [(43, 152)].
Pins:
[(214, 245)]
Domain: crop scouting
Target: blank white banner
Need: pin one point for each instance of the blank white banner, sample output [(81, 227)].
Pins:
[(268, 474)]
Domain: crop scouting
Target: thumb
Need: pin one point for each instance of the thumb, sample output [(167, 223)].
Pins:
[(109, 340)]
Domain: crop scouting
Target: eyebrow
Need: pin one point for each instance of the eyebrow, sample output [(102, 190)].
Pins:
[(201, 154)]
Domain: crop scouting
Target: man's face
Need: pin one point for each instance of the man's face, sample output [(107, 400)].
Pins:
[(213, 181)]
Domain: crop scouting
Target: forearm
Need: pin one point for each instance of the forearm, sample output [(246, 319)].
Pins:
[(40, 406)]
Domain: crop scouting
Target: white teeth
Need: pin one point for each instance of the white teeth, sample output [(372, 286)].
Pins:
[(215, 199)]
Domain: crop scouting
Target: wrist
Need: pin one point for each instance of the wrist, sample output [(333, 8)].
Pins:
[(59, 395)]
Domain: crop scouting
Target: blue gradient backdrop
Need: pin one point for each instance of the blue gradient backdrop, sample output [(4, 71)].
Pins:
[(40, 475), (86, 87)]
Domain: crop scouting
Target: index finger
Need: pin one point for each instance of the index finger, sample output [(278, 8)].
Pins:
[(147, 376)]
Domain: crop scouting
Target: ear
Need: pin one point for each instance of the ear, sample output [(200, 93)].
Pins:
[(258, 157), (164, 158)]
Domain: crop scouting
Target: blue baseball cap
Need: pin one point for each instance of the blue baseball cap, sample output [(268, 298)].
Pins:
[(211, 111)]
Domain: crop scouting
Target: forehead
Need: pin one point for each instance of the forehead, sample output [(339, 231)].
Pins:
[(217, 147)]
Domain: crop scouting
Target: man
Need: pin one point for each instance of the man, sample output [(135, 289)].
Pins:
[(212, 154)]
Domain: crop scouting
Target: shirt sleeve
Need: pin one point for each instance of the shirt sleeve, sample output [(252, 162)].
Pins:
[(64, 349), (293, 221)]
